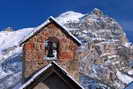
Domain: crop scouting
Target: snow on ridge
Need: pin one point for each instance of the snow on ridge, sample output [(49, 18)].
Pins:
[(11, 39), (69, 16)]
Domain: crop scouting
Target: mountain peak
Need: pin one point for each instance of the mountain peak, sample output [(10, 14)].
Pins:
[(69, 16), (71, 13), (97, 12)]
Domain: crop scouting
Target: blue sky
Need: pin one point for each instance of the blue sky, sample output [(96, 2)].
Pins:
[(29, 13)]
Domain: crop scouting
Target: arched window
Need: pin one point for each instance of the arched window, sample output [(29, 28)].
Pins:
[(52, 48)]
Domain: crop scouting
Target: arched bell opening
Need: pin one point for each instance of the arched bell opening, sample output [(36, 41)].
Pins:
[(52, 48)]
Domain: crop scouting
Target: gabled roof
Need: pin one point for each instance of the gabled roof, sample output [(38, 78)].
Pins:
[(49, 20), (54, 68)]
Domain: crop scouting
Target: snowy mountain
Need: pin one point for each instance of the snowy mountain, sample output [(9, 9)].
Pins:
[(10, 57), (10, 39), (107, 60)]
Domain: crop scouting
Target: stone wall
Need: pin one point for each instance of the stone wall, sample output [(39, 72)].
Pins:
[(34, 51)]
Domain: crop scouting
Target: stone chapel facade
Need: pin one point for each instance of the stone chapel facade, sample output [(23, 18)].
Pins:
[(50, 42)]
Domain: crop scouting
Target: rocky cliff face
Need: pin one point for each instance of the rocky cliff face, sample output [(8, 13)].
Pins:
[(94, 25), (107, 62), (106, 54)]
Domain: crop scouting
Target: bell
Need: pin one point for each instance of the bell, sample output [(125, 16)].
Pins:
[(50, 53)]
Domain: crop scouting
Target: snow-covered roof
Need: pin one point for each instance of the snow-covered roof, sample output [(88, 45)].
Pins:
[(34, 76), (43, 70), (51, 18), (68, 75)]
